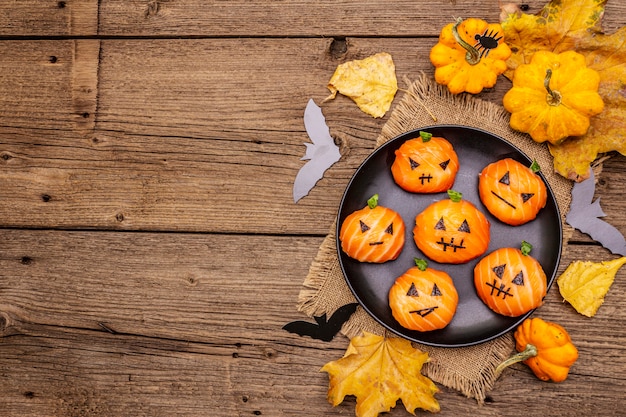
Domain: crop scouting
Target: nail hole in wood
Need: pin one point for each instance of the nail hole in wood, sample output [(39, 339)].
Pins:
[(338, 47), (61, 5), (53, 59), (4, 324), (45, 198), (26, 260)]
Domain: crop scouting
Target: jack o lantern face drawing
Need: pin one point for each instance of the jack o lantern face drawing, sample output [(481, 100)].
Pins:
[(372, 234), (450, 231), (510, 282), (423, 298), (427, 164), (512, 192)]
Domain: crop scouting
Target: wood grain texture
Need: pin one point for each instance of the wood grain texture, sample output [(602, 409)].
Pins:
[(150, 249), (48, 18), (304, 18), (171, 285), (198, 18)]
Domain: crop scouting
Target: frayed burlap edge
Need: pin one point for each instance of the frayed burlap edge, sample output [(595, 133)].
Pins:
[(469, 370)]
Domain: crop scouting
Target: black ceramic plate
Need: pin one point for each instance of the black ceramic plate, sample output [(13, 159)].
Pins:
[(473, 322)]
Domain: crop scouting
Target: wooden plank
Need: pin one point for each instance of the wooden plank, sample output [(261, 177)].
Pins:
[(286, 18), (142, 324), (83, 16), (36, 85), (49, 18), (49, 89), (166, 285), (302, 18), (85, 61)]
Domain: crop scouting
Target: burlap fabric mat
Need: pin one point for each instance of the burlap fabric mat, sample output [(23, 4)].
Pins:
[(469, 370)]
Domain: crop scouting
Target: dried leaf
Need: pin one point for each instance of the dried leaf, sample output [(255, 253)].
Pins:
[(576, 25), (584, 284), (370, 82), (379, 371)]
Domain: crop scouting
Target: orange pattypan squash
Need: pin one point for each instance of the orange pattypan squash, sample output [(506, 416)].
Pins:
[(427, 164), (511, 191), (553, 96), (470, 55), (545, 347), (510, 282), (373, 233), (452, 230), (423, 298)]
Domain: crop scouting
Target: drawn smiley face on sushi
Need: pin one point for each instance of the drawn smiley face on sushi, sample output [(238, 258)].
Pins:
[(373, 233), (423, 298), (427, 164), (509, 281), (452, 231), (512, 192)]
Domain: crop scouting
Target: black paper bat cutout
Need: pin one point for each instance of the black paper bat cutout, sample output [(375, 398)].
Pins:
[(322, 329), (322, 153), (583, 215)]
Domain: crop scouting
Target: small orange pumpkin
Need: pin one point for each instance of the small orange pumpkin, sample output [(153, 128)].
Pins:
[(545, 347), (423, 298), (427, 164), (510, 282), (452, 230), (512, 192), (373, 233), (470, 55)]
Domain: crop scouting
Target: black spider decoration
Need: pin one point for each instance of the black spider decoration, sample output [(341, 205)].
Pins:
[(486, 42)]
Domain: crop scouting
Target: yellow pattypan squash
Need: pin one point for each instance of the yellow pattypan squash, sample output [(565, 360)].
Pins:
[(545, 347), (470, 55), (553, 96)]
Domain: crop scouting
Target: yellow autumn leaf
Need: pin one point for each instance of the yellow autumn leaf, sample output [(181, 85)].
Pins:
[(584, 284), (563, 25), (370, 82), (379, 371)]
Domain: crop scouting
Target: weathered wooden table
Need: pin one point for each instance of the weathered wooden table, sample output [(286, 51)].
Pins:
[(150, 249)]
